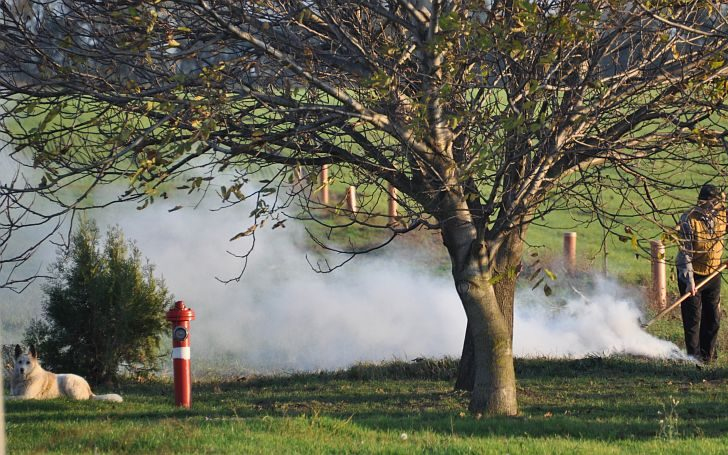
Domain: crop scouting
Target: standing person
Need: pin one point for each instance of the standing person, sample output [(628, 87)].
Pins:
[(701, 231)]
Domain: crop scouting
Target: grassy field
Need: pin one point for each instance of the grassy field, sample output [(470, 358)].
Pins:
[(593, 405)]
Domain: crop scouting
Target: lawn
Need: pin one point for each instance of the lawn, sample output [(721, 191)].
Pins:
[(592, 405)]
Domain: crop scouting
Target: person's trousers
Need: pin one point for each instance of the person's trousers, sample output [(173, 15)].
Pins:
[(701, 318)]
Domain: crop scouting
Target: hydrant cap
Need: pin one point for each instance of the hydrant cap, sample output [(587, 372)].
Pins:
[(180, 313)]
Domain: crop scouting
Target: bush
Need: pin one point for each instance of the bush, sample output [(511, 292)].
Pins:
[(104, 309)]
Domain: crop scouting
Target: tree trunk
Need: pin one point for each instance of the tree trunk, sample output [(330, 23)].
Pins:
[(494, 378), (508, 263), (466, 367), (490, 320)]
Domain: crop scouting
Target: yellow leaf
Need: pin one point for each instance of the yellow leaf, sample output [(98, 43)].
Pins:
[(550, 274), (173, 43), (496, 278), (248, 232)]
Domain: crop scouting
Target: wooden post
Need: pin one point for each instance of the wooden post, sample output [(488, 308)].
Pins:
[(659, 280), (298, 174), (570, 251), (351, 199), (325, 184), (392, 204)]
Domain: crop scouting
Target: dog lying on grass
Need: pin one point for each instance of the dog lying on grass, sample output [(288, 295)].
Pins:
[(30, 381)]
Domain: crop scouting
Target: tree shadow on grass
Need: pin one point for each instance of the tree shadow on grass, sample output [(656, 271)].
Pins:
[(596, 366)]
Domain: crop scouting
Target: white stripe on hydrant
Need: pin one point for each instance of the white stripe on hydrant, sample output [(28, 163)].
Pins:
[(181, 353)]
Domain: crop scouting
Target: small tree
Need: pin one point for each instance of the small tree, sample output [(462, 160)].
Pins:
[(104, 309)]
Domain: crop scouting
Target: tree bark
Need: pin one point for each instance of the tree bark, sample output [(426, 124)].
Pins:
[(466, 367), (489, 321), (508, 263), (494, 384)]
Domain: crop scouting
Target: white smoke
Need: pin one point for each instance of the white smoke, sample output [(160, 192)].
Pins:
[(603, 322), (284, 316)]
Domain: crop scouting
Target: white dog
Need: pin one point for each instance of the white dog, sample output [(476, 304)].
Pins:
[(31, 382)]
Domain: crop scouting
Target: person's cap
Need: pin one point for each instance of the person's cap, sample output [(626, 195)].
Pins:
[(708, 192)]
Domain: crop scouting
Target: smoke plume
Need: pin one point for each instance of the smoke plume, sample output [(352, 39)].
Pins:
[(603, 322), (282, 316)]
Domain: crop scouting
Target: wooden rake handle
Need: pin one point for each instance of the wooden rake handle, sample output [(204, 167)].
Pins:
[(685, 296)]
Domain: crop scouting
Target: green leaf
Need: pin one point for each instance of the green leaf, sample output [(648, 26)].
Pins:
[(29, 108), (50, 116)]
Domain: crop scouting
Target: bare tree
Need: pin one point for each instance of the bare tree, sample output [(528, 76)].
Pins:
[(483, 115)]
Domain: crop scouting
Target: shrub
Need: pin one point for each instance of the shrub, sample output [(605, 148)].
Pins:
[(104, 309)]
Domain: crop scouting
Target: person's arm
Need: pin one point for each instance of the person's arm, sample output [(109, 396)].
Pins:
[(684, 258)]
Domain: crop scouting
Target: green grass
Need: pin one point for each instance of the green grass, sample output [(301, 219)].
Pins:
[(593, 405)]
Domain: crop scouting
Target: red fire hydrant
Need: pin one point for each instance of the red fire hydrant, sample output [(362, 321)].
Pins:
[(180, 317)]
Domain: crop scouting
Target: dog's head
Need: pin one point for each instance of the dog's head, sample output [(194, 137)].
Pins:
[(25, 362)]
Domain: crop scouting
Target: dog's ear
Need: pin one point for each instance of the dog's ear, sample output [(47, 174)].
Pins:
[(18, 351), (33, 353)]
